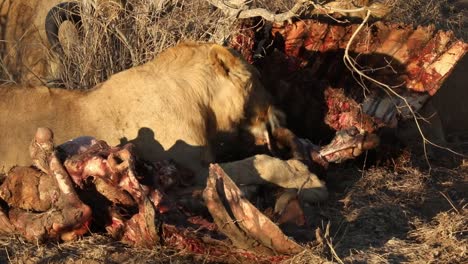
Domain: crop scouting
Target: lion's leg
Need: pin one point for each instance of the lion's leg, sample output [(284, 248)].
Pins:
[(289, 174)]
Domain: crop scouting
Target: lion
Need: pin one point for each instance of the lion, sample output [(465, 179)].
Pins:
[(30, 57), (195, 103), (27, 58)]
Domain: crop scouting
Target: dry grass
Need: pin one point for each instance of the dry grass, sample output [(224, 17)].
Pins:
[(395, 214), (444, 14), (114, 37), (91, 249), (390, 214)]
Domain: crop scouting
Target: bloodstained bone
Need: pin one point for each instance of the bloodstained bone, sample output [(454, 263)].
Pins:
[(110, 172), (50, 207), (240, 220), (428, 56), (348, 144), (46, 203), (43, 203), (41, 148), (66, 218), (302, 66)]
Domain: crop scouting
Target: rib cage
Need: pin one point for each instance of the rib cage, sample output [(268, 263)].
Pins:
[(303, 68), (427, 56)]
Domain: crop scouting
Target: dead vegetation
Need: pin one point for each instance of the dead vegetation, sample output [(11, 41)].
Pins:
[(444, 14), (396, 214), (389, 214), (113, 38)]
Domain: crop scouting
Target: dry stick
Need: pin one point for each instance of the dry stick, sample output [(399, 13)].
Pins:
[(8, 255), (127, 45), (265, 14), (241, 11), (248, 13), (3, 66), (351, 66), (450, 201), (330, 244), (27, 68), (336, 9), (7, 73)]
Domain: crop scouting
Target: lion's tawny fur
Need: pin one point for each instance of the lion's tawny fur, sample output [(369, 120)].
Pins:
[(175, 106), (27, 56)]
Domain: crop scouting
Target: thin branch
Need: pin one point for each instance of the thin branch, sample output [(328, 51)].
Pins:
[(450, 202), (329, 9), (329, 242), (350, 64), (242, 12)]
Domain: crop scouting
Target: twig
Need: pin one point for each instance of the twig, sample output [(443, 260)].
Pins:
[(350, 64), (8, 255), (127, 45), (241, 12), (337, 9), (330, 244), (450, 201)]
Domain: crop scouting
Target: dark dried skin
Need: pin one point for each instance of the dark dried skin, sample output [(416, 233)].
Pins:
[(29, 189)]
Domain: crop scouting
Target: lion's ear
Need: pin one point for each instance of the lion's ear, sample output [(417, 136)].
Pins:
[(222, 59)]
